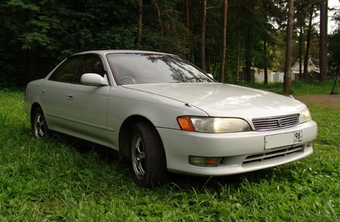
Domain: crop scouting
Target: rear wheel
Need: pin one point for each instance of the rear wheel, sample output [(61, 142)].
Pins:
[(147, 155), (39, 124)]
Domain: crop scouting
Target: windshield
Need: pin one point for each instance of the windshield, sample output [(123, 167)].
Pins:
[(131, 68)]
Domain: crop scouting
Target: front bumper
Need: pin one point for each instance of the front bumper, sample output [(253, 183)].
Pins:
[(240, 152)]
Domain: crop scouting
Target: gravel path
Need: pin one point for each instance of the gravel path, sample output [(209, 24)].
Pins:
[(328, 100)]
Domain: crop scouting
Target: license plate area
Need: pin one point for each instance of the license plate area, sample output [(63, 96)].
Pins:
[(285, 139)]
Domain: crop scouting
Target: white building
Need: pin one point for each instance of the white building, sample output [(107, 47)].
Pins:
[(272, 76), (312, 69)]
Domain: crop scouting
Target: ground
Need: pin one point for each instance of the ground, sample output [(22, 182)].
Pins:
[(330, 100)]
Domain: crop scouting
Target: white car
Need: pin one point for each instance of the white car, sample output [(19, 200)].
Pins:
[(166, 115)]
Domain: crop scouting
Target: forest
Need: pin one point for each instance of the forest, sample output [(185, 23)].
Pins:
[(227, 38)]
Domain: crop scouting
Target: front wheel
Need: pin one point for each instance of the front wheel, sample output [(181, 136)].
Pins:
[(39, 124), (147, 155)]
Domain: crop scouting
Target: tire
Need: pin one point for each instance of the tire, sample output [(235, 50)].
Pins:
[(147, 156), (39, 124)]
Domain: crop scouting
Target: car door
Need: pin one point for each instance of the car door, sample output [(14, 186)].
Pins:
[(53, 93), (86, 106)]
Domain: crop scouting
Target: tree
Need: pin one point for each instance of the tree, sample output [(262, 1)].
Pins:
[(38, 34), (163, 26), (187, 25), (309, 33), (224, 39), (251, 36), (305, 15), (323, 40), (32, 35), (289, 41), (203, 29), (140, 23), (334, 55)]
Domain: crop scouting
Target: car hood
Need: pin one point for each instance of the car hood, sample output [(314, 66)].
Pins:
[(217, 99)]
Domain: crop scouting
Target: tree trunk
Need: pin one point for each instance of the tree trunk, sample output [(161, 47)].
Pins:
[(224, 50), (140, 23), (204, 24), (160, 22), (265, 62), (248, 74), (309, 34), (336, 78), (300, 51), (238, 62), (187, 21), (287, 84), (323, 40)]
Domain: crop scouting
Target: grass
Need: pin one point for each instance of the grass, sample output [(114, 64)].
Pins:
[(299, 87), (62, 180)]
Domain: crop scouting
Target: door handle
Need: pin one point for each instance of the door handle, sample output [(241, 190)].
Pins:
[(69, 97)]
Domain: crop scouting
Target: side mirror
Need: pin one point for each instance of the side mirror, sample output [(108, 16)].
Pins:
[(93, 79), (210, 75)]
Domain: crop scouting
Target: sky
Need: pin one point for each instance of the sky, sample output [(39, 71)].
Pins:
[(331, 24)]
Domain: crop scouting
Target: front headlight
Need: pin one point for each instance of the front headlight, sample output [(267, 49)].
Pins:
[(213, 125), (305, 116)]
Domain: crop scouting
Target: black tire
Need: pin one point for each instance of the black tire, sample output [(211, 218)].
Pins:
[(147, 156), (39, 124)]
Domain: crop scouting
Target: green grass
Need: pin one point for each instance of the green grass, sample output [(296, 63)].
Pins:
[(62, 180), (299, 87)]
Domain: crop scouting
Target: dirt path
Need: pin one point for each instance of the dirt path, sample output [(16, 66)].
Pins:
[(330, 100)]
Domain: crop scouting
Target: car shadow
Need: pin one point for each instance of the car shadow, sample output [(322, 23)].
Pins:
[(236, 180), (109, 156)]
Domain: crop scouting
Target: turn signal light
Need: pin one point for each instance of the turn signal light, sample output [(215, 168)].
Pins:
[(205, 161), (185, 123)]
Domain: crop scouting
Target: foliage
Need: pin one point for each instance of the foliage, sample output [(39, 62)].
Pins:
[(334, 52), (66, 180), (334, 49), (36, 35)]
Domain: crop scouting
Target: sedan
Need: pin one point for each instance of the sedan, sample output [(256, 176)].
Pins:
[(165, 115)]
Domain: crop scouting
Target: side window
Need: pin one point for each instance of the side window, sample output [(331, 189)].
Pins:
[(93, 64), (67, 72), (90, 64)]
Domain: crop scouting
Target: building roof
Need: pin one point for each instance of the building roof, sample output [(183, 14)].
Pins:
[(310, 68)]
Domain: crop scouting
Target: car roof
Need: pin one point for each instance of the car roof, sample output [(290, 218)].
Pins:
[(113, 51)]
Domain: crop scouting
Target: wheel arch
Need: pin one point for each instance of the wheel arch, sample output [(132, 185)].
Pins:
[(125, 133), (34, 107)]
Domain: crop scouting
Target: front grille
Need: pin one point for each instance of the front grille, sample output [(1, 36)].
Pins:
[(272, 154), (277, 122)]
